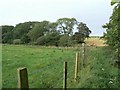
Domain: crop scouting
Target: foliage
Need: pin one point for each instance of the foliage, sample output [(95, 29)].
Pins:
[(78, 37), (49, 39), (53, 38), (6, 29), (113, 29), (64, 40), (83, 29), (114, 2), (21, 29), (101, 73), (7, 34), (48, 33), (53, 27), (41, 40), (17, 41), (25, 39), (38, 30), (66, 25), (83, 32)]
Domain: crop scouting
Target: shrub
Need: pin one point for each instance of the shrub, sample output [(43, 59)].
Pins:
[(65, 40), (16, 41), (25, 39), (41, 40)]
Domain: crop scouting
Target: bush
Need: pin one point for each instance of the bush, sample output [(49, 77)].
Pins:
[(65, 40), (25, 39), (49, 39), (52, 38), (17, 41), (41, 40)]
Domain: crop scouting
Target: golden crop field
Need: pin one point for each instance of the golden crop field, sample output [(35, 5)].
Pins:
[(95, 42)]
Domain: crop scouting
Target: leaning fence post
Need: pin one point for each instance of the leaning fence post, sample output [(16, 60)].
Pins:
[(23, 79), (65, 76), (76, 65)]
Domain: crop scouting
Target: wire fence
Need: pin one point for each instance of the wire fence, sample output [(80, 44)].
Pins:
[(63, 76)]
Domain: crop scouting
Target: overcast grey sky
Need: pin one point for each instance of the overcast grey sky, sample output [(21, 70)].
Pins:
[(94, 13)]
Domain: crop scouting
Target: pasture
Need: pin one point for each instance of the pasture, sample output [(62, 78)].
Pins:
[(45, 67)]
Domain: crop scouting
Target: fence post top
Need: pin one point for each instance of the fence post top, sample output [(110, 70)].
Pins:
[(21, 68), (65, 61), (83, 44), (76, 49)]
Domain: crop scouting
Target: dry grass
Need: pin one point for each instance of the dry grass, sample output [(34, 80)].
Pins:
[(95, 42)]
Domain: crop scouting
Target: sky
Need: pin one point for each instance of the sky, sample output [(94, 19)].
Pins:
[(94, 13)]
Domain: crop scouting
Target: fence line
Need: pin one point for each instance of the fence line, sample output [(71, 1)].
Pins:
[(23, 75)]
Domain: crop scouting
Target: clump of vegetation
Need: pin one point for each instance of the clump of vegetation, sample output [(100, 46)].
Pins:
[(17, 41)]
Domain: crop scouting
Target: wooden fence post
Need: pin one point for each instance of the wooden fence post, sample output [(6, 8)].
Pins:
[(65, 76), (83, 52), (76, 65), (23, 79)]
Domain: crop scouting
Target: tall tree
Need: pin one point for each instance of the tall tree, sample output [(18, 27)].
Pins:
[(83, 29), (39, 30), (83, 32), (21, 29), (53, 27), (112, 34), (113, 27), (66, 25)]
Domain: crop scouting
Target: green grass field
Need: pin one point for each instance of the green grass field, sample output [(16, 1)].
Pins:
[(45, 67)]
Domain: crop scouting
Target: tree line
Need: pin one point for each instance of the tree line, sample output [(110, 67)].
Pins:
[(59, 33)]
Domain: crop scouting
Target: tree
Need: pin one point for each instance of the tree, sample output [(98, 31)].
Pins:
[(113, 30), (53, 27), (83, 32), (52, 38), (78, 37), (21, 29), (66, 25), (25, 39), (38, 30), (41, 40), (83, 29), (64, 40), (7, 34)]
